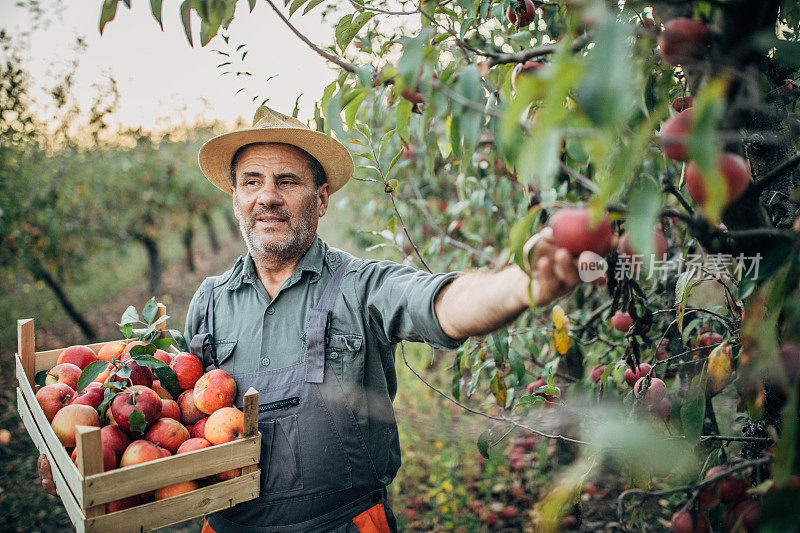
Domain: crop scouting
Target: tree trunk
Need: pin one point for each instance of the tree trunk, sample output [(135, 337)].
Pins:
[(212, 231), (154, 257), (188, 245), (40, 272)]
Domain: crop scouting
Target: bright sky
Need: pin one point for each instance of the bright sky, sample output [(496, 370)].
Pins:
[(159, 75)]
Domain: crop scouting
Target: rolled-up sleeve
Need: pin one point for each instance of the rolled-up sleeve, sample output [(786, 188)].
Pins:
[(400, 302)]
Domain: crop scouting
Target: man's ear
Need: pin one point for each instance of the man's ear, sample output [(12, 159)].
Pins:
[(323, 193), (233, 199)]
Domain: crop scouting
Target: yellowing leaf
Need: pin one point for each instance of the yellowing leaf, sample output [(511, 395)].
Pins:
[(720, 367), (561, 332), (559, 317)]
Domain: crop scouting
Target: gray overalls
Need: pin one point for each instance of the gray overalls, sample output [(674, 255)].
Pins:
[(316, 472)]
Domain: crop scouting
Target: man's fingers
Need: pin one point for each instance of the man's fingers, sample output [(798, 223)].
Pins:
[(564, 267), (43, 465), (49, 487)]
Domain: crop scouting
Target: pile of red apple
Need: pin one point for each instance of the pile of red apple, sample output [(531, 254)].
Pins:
[(140, 419)]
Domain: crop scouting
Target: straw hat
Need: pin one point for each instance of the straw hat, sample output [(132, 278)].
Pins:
[(271, 126)]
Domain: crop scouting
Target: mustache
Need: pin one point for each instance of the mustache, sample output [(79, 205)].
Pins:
[(271, 211)]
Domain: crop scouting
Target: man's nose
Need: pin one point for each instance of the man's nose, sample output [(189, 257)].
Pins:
[(270, 195)]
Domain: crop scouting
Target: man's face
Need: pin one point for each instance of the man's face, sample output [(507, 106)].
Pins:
[(276, 202)]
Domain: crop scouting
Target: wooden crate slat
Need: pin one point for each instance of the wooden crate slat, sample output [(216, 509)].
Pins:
[(178, 508), (130, 480), (70, 503), (61, 459)]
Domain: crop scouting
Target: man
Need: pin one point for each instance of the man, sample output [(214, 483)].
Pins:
[(314, 330)]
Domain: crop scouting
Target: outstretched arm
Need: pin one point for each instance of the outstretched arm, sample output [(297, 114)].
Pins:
[(476, 303)]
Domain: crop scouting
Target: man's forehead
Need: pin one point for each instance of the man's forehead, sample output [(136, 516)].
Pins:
[(278, 155)]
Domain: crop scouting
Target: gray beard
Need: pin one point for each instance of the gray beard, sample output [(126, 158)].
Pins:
[(301, 233)]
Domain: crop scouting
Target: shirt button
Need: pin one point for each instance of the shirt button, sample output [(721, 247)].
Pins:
[(334, 355), (270, 310), (265, 361)]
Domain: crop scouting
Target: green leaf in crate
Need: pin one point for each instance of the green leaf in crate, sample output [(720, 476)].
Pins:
[(130, 316), (40, 378), (168, 379), (149, 311), (137, 422), (90, 373)]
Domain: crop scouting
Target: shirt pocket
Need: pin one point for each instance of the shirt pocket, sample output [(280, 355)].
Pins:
[(224, 349), (345, 356)]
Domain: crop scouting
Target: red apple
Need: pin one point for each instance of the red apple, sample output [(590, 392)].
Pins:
[(141, 451), (66, 373), (68, 417), (111, 349), (178, 488), (228, 474), (109, 458), (682, 103), (524, 68), (168, 433), (161, 391), (596, 373), (199, 429), (164, 357), (707, 340), (659, 244), (734, 171), (79, 356), (114, 438), (524, 14), (790, 358), (632, 377), (124, 503), (140, 375), (53, 397), (192, 444), (136, 398), (684, 40), (190, 414), (533, 385), (170, 409), (690, 522), (92, 396), (663, 409), (622, 321), (224, 425), (674, 134), (651, 395), (188, 369), (572, 229), (214, 390)]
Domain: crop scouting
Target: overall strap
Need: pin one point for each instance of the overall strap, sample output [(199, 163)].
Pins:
[(202, 344), (318, 323)]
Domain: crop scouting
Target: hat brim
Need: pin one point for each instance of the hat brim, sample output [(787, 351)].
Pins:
[(216, 154)]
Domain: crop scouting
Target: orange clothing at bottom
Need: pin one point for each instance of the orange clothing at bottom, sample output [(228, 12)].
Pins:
[(373, 520)]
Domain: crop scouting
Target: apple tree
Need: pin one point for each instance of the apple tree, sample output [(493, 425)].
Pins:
[(659, 141)]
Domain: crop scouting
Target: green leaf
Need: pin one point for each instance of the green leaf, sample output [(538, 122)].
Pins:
[(704, 144), (530, 399), (168, 380), (410, 62), (644, 208), (403, 118), (694, 408), (395, 159), (90, 373), (341, 27), (498, 388), (130, 316), (311, 5), (148, 361), (500, 342), (295, 6), (127, 331), (107, 13), (137, 421), (40, 378), (351, 109), (141, 349), (517, 363), (605, 92), (470, 88), (186, 20), (149, 311), (484, 443), (180, 341), (155, 8), (683, 287), (519, 234), (349, 33), (163, 344), (109, 394)]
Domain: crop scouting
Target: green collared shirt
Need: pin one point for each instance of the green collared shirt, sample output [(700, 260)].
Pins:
[(380, 303)]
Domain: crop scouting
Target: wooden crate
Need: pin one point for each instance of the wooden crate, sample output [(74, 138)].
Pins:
[(85, 489)]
